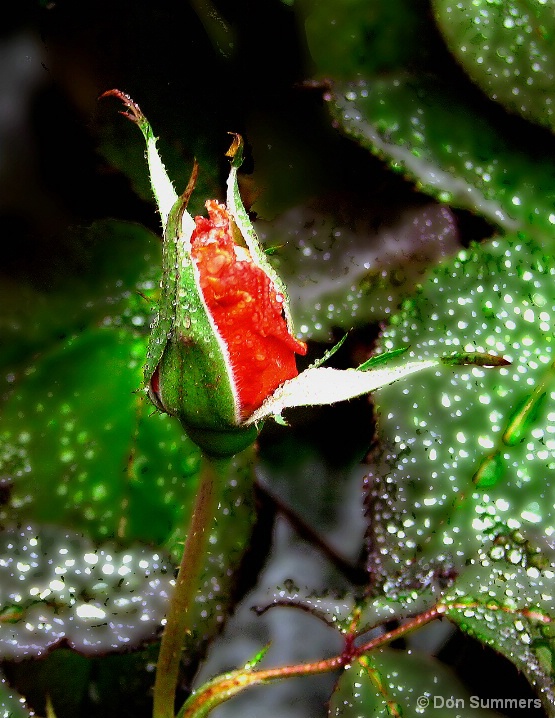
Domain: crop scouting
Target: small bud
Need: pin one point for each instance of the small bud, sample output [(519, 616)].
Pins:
[(229, 346)]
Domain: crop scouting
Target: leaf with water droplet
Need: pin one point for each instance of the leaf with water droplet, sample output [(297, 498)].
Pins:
[(79, 446), (58, 586), (507, 49), (342, 272), (426, 129), (391, 682), (11, 704), (511, 607), (449, 479)]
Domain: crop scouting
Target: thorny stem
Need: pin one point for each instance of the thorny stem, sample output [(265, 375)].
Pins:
[(224, 687), (411, 625), (178, 619)]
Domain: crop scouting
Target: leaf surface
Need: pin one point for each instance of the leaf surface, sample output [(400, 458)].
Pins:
[(507, 49), (391, 682), (505, 599), (427, 130), (471, 449)]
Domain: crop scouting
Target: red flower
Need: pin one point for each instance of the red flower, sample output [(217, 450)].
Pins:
[(246, 309)]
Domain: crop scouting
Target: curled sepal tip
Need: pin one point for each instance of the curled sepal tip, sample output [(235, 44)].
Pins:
[(133, 112), (235, 152), (162, 188)]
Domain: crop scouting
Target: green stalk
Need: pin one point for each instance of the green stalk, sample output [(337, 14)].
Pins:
[(214, 475), (222, 688)]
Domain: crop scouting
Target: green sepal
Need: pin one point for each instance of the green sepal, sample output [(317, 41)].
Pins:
[(162, 326), (381, 359), (330, 352), (185, 348), (245, 226), (224, 442), (162, 187), (194, 372)]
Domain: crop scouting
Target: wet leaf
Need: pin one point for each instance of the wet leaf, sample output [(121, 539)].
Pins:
[(507, 49), (11, 705), (427, 131), (453, 473), (390, 683), (106, 269), (56, 585), (505, 599), (81, 447), (341, 272)]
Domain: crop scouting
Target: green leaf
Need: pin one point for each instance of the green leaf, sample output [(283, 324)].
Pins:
[(108, 269), (454, 475), (390, 683), (341, 272), (427, 130), (77, 685), (56, 585), (11, 705), (504, 599), (81, 448), (506, 47), (84, 450), (350, 36)]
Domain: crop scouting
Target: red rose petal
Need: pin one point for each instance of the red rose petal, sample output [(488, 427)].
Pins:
[(246, 309)]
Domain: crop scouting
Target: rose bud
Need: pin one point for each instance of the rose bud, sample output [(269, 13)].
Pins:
[(221, 355)]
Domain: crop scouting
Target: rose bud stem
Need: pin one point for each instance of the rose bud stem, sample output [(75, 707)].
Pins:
[(180, 619)]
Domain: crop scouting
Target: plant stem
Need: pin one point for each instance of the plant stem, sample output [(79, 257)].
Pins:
[(222, 688), (213, 475), (225, 687)]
